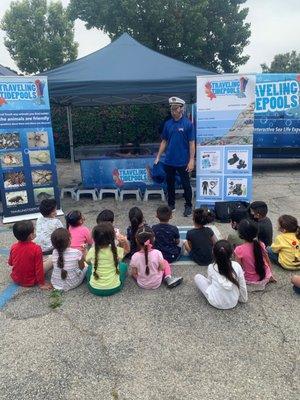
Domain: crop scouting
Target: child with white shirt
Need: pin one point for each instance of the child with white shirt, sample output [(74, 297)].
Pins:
[(46, 224), (69, 269), (225, 284)]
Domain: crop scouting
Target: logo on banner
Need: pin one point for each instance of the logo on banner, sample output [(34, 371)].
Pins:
[(234, 87), (277, 96), (24, 91)]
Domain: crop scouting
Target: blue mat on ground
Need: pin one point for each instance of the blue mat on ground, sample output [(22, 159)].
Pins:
[(4, 252)]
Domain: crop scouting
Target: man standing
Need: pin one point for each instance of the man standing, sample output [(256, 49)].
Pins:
[(178, 140)]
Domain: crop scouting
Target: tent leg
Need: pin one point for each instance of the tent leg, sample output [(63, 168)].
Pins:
[(70, 129)]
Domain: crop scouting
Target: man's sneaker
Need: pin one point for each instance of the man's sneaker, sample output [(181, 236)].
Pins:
[(187, 211), (172, 281), (173, 209)]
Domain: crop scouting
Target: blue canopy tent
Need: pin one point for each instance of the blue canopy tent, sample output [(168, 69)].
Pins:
[(124, 72), (6, 71)]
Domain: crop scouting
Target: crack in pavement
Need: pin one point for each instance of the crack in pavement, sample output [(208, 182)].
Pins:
[(288, 376), (111, 365)]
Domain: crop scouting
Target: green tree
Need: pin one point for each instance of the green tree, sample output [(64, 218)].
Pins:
[(38, 36), (287, 62), (208, 33)]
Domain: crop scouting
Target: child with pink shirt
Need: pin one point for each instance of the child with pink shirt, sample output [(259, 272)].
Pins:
[(80, 234), (148, 266), (252, 256)]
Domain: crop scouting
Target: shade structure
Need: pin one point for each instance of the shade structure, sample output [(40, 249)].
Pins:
[(6, 71), (124, 72)]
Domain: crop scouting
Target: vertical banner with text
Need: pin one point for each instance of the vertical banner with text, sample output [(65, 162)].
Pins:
[(225, 119), (27, 158), (277, 112)]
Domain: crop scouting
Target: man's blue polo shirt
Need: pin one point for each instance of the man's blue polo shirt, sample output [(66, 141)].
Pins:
[(178, 135)]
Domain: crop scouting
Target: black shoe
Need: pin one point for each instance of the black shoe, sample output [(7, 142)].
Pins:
[(173, 209), (187, 211), (172, 281)]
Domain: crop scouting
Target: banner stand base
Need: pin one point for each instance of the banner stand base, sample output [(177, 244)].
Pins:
[(26, 217)]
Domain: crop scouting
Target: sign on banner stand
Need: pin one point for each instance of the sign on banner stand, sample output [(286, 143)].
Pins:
[(277, 113), (225, 125), (27, 156)]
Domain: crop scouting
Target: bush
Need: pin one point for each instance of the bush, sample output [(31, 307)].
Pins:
[(107, 125)]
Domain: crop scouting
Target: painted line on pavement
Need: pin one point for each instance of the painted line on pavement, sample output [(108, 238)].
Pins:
[(8, 293), (4, 251)]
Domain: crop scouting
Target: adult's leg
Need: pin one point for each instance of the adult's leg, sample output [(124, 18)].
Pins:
[(186, 184), (202, 283), (170, 178)]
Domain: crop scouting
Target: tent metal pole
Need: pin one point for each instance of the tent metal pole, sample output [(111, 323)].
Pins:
[(70, 129)]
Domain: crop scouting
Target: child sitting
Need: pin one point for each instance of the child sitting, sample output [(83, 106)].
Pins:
[(105, 216), (68, 263), (225, 283), (80, 234), (259, 211), (210, 224), (106, 274), (108, 216), (252, 256), (136, 219), (46, 224), (285, 250), (167, 237), (236, 216), (148, 265), (200, 240), (26, 258), (296, 283)]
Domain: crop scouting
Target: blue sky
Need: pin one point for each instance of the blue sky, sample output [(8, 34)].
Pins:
[(275, 29)]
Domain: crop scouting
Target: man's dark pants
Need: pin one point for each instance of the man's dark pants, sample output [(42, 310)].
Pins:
[(185, 182)]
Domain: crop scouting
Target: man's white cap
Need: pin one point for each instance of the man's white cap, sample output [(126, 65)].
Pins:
[(176, 101)]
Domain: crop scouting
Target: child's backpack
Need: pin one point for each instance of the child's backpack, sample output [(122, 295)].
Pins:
[(224, 208)]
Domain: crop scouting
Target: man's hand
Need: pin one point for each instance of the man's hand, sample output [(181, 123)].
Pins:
[(156, 160), (190, 166)]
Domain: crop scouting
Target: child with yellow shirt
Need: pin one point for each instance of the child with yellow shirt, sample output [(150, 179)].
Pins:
[(285, 250)]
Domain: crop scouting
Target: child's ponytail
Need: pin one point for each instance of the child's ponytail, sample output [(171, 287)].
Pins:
[(60, 264), (136, 218), (222, 252), (95, 273), (146, 258), (115, 254), (259, 259), (60, 239), (145, 240)]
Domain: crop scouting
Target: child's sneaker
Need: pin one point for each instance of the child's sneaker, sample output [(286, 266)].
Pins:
[(172, 281)]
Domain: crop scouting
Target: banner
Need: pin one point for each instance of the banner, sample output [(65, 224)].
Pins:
[(225, 118), (277, 112), (27, 158), (119, 173)]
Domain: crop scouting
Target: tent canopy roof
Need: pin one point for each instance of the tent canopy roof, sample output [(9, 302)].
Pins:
[(6, 71), (122, 72)]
